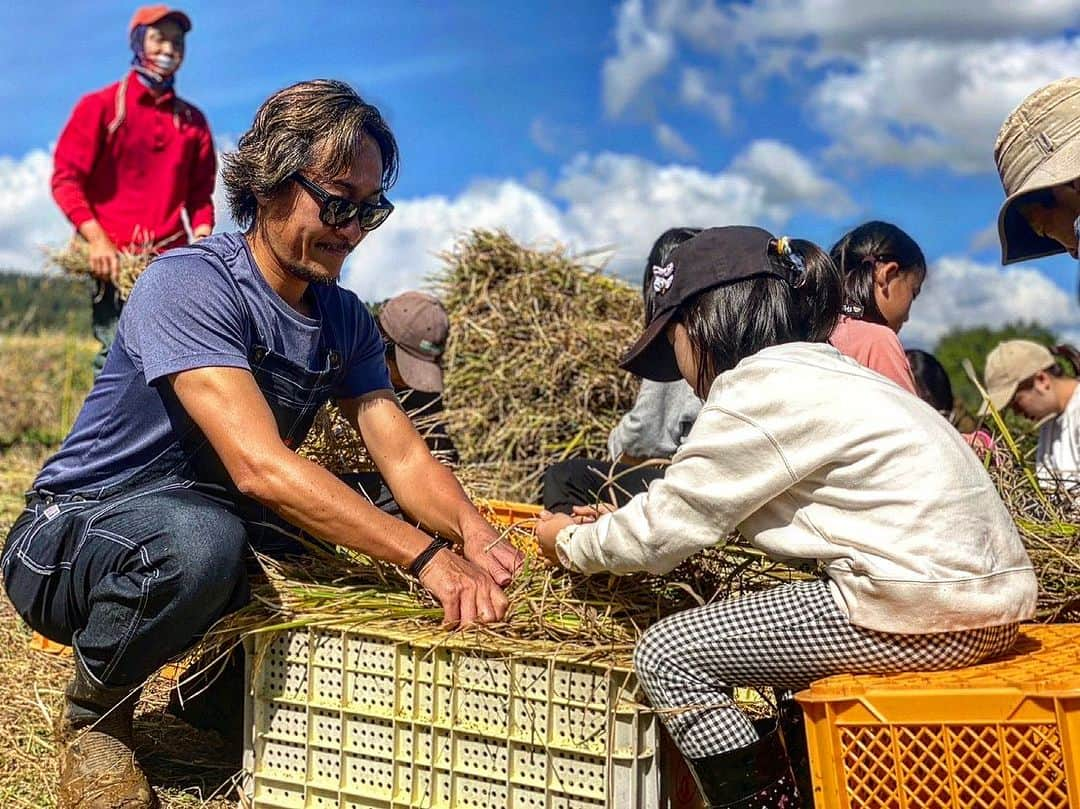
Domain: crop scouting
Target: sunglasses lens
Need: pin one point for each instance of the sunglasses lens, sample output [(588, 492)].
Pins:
[(338, 212), (371, 216)]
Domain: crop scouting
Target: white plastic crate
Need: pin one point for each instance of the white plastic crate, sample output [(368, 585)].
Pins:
[(377, 720)]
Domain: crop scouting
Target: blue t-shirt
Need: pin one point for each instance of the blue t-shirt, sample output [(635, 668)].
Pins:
[(184, 314)]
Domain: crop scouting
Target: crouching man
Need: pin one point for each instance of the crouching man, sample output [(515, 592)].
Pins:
[(134, 537)]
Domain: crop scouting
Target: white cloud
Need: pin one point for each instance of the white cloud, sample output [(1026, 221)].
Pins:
[(960, 292), (404, 252), (672, 142), (695, 91), (596, 201), (917, 103), (787, 176), (642, 53), (29, 219), (850, 27), (608, 200), (914, 84)]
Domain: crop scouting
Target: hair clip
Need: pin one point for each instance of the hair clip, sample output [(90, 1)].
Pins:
[(662, 277), (852, 309), (794, 261)]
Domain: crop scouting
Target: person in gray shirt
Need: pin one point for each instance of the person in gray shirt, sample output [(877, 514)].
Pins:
[(647, 435)]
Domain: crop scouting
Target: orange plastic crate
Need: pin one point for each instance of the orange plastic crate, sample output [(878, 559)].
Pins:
[(509, 513), (1000, 735)]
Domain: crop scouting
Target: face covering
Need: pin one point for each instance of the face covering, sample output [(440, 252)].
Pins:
[(157, 72)]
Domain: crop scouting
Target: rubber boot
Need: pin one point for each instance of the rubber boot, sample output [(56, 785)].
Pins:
[(793, 728), (97, 760), (757, 776)]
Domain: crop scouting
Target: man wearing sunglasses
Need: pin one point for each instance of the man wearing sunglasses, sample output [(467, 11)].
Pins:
[(136, 532)]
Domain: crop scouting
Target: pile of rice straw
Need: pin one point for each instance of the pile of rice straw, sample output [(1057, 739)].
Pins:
[(531, 368), (532, 372)]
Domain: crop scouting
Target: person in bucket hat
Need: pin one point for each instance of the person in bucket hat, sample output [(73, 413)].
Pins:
[(784, 451), (1027, 377), (1038, 158)]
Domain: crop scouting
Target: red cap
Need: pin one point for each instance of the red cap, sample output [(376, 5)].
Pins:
[(151, 15)]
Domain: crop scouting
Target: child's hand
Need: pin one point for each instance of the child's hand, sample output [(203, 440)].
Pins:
[(587, 514), (548, 526)]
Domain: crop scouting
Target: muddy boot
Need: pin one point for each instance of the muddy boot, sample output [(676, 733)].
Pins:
[(757, 776), (97, 762)]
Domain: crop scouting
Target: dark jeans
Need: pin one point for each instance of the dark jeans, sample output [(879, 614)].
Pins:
[(130, 581), (105, 316), (584, 481)]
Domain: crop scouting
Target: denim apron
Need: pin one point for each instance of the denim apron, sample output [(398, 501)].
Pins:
[(51, 575)]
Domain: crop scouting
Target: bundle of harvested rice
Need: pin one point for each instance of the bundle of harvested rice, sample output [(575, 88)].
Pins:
[(74, 259), (550, 609), (532, 372)]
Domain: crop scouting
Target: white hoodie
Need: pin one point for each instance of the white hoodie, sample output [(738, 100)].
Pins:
[(812, 456)]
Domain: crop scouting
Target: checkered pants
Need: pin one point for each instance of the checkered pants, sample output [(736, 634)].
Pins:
[(785, 638)]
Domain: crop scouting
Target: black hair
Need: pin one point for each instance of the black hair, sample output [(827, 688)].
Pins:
[(318, 125), (931, 380), (857, 255), (658, 257), (1071, 357), (730, 322)]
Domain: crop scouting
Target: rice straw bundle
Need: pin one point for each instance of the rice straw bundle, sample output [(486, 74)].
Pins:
[(550, 609), (532, 372), (74, 259)]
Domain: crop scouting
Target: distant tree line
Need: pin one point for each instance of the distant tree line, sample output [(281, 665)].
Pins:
[(36, 303)]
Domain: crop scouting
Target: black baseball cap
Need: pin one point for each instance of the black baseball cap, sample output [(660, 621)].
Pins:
[(714, 257)]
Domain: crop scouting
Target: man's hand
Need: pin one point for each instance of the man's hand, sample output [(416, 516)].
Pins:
[(104, 260), (201, 232), (483, 547), (547, 528), (467, 594)]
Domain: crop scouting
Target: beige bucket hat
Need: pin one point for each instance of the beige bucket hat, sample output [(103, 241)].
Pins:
[(1038, 147), (1009, 364)]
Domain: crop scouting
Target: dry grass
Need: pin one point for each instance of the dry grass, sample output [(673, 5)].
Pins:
[(43, 380)]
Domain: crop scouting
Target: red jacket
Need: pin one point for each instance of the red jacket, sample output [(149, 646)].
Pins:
[(135, 179)]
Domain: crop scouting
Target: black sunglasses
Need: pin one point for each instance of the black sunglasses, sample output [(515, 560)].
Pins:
[(338, 212)]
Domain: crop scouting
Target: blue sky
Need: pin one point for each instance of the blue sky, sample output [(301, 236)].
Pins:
[(601, 124)]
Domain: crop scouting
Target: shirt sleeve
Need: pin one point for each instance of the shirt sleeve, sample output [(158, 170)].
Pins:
[(200, 198), (726, 470), (76, 151), (651, 428), (366, 370), (183, 314)]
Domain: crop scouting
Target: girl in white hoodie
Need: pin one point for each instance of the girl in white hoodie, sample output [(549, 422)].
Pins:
[(811, 456)]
